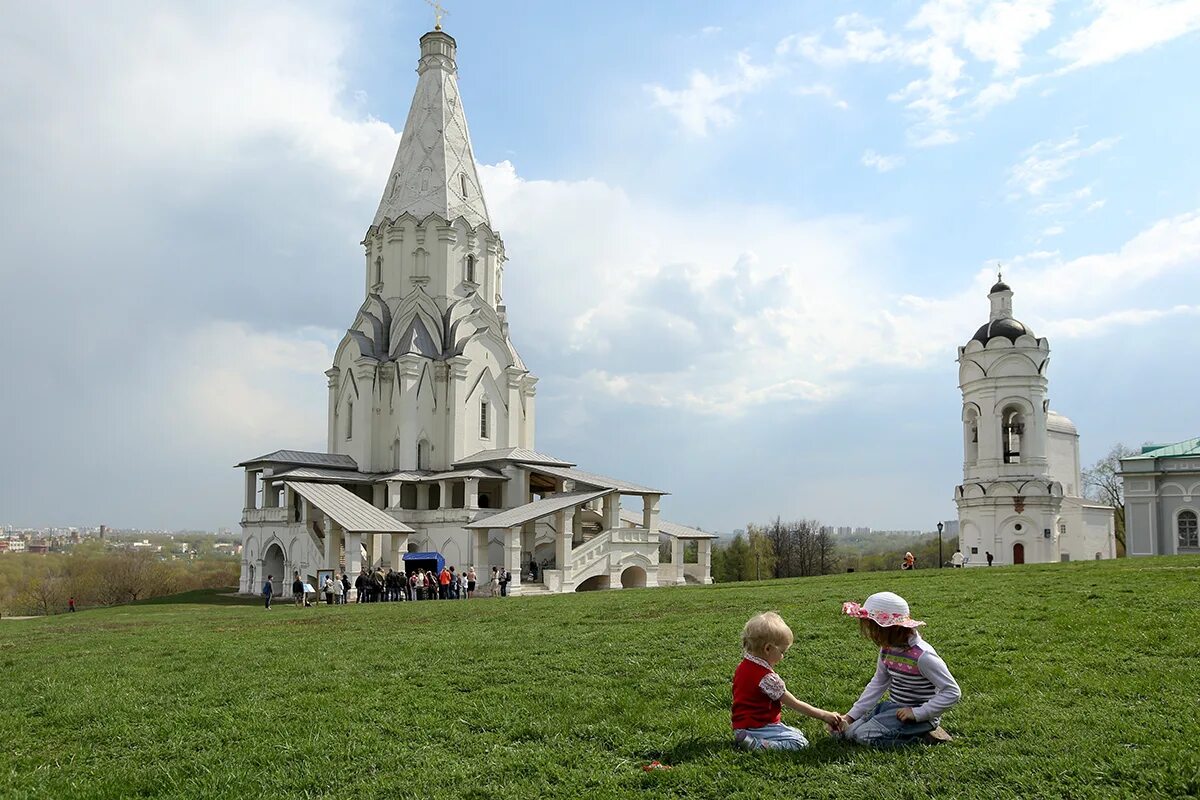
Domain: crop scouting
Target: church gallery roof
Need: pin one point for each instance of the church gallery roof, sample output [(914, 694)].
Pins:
[(592, 479), (347, 509), (513, 517), (305, 458), (512, 454)]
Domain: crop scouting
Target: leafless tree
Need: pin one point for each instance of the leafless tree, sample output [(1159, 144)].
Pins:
[(1102, 483)]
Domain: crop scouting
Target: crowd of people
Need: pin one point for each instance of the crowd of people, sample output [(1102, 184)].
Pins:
[(383, 585)]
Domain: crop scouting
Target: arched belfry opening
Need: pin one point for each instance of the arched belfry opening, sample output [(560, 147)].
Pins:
[(1012, 434)]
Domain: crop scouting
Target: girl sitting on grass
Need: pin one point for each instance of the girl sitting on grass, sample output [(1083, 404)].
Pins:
[(918, 684), (759, 693)]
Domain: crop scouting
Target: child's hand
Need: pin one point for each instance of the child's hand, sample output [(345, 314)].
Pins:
[(905, 715)]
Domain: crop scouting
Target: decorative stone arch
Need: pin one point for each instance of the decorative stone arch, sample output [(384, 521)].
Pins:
[(970, 370), (594, 583), (424, 451), (1013, 365), (451, 548), (1178, 487), (273, 564), (633, 576)]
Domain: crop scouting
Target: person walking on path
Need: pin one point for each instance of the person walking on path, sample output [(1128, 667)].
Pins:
[(268, 590), (71, 605), (298, 590)]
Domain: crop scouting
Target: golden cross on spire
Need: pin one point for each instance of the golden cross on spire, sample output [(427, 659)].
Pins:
[(438, 13)]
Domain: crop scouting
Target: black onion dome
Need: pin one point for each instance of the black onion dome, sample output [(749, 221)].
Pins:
[(1007, 327), (1000, 286)]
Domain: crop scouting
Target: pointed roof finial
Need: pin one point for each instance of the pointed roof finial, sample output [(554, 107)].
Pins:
[(438, 12), (1000, 285)]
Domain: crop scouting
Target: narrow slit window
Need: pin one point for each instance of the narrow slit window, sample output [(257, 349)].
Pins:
[(463, 180), (350, 419), (483, 419), (471, 269)]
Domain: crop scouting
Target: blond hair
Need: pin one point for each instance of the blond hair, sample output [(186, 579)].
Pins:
[(764, 629)]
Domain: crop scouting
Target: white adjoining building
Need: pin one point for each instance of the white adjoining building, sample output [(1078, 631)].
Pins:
[(432, 412), (1021, 495), (1162, 499)]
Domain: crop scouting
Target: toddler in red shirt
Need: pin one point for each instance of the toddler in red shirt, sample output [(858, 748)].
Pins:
[(759, 693)]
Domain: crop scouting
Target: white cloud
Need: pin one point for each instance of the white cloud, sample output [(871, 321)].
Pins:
[(1053, 230), (709, 101), (880, 162), (822, 90), (1048, 162), (942, 36), (1124, 27), (1075, 328), (710, 30)]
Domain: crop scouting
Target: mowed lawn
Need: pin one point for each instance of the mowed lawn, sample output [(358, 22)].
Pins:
[(1079, 680)]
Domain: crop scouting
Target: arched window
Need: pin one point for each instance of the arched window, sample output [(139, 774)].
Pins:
[(1012, 431), (470, 269), (1189, 533), (423, 454), (971, 435), (463, 180), (349, 419), (483, 419)]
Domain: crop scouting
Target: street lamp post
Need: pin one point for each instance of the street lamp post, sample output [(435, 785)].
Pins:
[(940, 561)]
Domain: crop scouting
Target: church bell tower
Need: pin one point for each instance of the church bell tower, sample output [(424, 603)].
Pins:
[(1008, 502)]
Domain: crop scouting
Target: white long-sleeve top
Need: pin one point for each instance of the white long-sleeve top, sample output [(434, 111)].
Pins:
[(915, 676)]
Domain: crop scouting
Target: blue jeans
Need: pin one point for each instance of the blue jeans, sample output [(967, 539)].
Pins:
[(882, 728), (775, 736)]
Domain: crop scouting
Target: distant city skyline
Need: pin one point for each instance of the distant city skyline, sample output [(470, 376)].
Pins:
[(805, 205)]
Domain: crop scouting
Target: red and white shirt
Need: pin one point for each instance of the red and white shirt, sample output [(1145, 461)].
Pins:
[(756, 692)]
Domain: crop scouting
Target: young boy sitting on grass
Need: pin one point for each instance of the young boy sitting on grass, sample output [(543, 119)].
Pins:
[(759, 693)]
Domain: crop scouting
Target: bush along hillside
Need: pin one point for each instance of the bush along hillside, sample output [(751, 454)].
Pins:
[(1079, 680)]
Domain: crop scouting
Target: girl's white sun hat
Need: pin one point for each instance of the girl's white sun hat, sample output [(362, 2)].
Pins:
[(884, 609)]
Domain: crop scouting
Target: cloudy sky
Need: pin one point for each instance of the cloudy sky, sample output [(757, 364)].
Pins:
[(744, 244)]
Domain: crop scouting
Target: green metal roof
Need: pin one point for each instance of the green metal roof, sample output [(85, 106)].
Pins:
[(1188, 447)]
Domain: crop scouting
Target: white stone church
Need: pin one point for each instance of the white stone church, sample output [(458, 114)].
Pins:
[(431, 421), (1021, 495)]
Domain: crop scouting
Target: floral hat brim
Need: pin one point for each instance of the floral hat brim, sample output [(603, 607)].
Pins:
[(881, 617)]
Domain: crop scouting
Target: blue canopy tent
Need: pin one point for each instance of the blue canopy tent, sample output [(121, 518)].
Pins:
[(424, 561)]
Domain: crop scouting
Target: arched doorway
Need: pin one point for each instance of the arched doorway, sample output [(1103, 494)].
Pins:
[(273, 565), (633, 578), (1018, 553)]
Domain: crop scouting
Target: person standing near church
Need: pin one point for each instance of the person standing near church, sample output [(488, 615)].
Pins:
[(268, 590), (494, 584), (298, 590), (989, 557), (471, 578), (957, 558), (71, 604), (345, 588)]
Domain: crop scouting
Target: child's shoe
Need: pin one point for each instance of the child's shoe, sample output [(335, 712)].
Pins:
[(745, 741), (937, 736)]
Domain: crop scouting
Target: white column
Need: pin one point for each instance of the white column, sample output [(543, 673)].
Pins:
[(562, 550), (397, 550), (333, 375), (353, 561), (705, 547), (471, 493), (650, 512), (577, 526), (422, 496), (512, 556), (677, 558), (458, 415), (514, 375), (447, 495), (251, 488), (612, 511)]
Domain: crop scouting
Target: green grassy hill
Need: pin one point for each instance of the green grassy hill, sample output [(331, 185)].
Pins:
[(1079, 680)]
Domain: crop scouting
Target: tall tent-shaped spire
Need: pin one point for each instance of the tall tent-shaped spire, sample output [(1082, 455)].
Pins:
[(434, 170)]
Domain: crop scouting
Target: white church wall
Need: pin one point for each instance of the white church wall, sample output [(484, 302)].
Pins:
[(1063, 461)]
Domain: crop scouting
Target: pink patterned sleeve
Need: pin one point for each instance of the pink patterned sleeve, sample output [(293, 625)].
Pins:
[(772, 685)]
